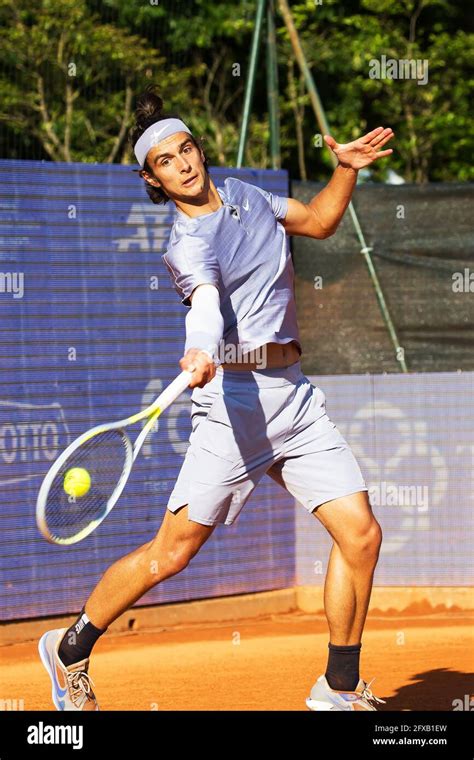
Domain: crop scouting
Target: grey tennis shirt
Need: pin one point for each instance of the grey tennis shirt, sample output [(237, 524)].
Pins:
[(243, 250)]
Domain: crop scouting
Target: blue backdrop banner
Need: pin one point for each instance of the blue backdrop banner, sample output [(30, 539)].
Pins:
[(92, 329)]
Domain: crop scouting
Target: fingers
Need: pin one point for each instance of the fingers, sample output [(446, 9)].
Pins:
[(330, 141), (370, 135), (207, 375), (382, 138), (383, 153), (378, 134), (201, 378), (377, 137), (202, 367)]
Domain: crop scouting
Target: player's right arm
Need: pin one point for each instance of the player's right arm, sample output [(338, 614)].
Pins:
[(204, 330)]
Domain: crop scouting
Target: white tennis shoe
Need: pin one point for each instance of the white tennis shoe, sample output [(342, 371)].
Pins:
[(322, 697), (71, 685)]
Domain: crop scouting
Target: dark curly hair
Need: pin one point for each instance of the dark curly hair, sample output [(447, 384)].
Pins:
[(149, 110)]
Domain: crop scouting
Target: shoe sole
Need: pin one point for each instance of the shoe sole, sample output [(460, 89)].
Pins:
[(319, 706)]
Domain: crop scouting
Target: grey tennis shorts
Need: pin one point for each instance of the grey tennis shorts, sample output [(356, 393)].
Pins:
[(247, 423)]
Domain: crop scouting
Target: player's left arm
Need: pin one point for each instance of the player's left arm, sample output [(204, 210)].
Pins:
[(321, 216)]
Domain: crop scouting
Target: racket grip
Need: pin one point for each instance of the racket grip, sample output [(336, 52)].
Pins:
[(174, 389)]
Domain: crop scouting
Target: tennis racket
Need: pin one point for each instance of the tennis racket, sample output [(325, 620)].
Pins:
[(106, 453)]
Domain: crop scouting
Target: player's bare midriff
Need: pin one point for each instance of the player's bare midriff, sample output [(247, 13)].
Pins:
[(270, 356)]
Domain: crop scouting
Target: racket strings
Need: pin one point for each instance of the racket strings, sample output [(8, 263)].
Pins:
[(105, 458)]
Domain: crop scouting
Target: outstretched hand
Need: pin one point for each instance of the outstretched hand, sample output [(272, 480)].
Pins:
[(361, 152)]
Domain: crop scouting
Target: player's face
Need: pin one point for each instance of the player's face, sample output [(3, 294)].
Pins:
[(177, 166)]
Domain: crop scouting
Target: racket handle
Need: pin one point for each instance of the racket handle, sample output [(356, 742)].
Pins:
[(174, 389)]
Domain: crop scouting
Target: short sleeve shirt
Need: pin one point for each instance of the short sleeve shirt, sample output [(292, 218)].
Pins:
[(243, 250)]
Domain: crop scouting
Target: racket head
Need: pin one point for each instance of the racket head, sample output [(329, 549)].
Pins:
[(107, 455)]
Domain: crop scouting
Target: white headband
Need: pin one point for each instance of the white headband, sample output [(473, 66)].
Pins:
[(154, 134)]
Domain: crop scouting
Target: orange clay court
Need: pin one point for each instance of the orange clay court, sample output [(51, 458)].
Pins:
[(421, 658)]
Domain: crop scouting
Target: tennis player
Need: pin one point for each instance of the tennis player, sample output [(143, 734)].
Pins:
[(229, 260)]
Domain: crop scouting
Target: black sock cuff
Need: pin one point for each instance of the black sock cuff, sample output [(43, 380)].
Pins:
[(345, 647), (94, 629), (98, 631)]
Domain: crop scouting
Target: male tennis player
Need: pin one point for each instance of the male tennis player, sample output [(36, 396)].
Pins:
[(229, 260)]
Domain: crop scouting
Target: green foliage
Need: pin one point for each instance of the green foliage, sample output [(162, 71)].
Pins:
[(71, 70), (74, 79), (433, 132)]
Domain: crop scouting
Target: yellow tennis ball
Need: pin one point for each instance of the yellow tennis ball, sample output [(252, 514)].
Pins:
[(77, 482)]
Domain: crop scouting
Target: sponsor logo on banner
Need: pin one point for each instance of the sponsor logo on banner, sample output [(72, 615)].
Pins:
[(31, 437)]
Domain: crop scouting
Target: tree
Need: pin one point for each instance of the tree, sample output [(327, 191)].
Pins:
[(432, 124), (74, 79), (71, 70), (216, 38)]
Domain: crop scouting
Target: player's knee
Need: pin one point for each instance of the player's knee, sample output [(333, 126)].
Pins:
[(166, 562), (364, 546), (370, 541), (178, 557)]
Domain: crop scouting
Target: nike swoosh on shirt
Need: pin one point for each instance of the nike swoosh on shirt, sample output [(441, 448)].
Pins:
[(245, 205)]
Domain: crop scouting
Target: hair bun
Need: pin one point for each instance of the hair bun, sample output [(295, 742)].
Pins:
[(149, 106)]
